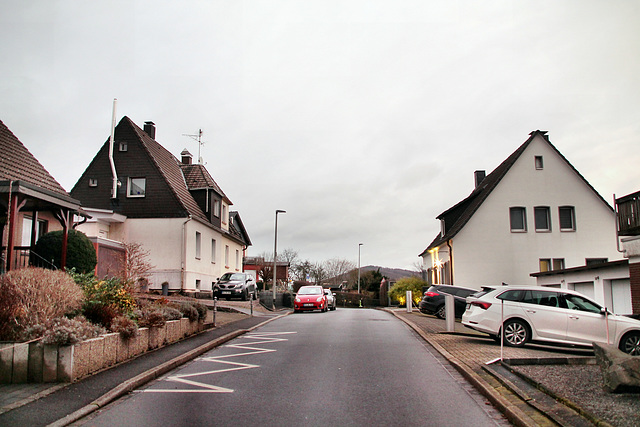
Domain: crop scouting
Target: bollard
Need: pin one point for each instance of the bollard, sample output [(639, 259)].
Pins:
[(409, 302), (215, 310), (450, 312), (251, 306)]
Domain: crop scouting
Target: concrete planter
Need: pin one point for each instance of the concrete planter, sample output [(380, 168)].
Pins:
[(35, 362)]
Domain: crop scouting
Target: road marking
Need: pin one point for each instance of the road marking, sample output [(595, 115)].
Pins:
[(261, 338)]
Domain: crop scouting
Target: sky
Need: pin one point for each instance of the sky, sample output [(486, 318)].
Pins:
[(362, 119)]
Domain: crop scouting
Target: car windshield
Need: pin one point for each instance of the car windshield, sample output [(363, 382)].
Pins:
[(310, 291), (232, 276)]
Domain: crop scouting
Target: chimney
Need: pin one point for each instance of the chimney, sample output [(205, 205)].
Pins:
[(186, 157), (150, 129), (479, 177)]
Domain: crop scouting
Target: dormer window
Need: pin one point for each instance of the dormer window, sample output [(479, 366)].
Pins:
[(539, 163), (122, 146)]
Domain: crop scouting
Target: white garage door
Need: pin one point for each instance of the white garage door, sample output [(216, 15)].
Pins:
[(621, 295)]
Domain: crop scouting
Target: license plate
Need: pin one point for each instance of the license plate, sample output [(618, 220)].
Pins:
[(308, 305), (226, 292)]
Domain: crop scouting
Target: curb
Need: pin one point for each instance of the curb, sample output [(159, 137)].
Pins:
[(145, 377), (513, 413)]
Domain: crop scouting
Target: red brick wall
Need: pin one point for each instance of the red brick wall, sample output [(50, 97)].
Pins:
[(634, 279)]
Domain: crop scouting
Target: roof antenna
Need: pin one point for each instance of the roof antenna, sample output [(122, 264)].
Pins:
[(197, 138)]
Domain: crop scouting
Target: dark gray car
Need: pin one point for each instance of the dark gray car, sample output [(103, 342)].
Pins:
[(235, 285), (433, 300)]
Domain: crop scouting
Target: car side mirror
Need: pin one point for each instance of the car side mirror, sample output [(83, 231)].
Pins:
[(603, 311)]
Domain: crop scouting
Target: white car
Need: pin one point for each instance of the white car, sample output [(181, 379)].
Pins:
[(331, 299), (550, 315)]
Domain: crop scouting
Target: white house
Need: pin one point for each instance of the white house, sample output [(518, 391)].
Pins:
[(534, 212), (172, 207)]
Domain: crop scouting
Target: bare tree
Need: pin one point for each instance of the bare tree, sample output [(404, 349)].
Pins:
[(318, 273), (337, 270), (137, 265)]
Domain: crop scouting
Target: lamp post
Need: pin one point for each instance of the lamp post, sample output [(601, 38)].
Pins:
[(359, 246), (275, 256)]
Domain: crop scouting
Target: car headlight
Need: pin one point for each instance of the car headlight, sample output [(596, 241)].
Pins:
[(297, 299), (318, 299)]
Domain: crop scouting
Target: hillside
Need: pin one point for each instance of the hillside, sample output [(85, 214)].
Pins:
[(393, 274)]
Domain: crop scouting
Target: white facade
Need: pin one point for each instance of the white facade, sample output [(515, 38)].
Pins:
[(608, 285), (173, 244), (487, 251)]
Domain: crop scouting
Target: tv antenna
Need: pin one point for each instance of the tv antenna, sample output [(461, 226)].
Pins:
[(198, 139)]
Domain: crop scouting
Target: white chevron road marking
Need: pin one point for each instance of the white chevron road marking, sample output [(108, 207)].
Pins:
[(259, 338)]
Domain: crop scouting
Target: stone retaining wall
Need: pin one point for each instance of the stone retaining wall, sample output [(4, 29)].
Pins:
[(34, 362)]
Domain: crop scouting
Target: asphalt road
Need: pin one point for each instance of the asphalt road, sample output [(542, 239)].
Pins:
[(350, 367)]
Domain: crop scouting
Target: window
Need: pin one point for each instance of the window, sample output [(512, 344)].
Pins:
[(513, 295), (558, 263), (518, 218), (226, 256), (539, 163), (567, 218), (550, 299), (198, 284), (198, 244), (224, 214), (213, 251), (576, 302), (542, 218), (93, 182), (122, 146), (216, 208), (595, 261), (136, 187), (237, 259), (545, 264)]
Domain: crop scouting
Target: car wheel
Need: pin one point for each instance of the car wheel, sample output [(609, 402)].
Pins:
[(516, 333), (630, 343), (441, 312)]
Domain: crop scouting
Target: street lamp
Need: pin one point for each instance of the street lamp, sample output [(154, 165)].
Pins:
[(359, 246), (275, 256)]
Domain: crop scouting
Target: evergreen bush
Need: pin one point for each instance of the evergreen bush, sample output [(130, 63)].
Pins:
[(81, 254)]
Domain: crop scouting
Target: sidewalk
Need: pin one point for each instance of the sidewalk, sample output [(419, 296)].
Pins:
[(469, 352), (61, 404)]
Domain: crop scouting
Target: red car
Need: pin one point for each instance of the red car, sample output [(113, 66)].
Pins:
[(310, 298)]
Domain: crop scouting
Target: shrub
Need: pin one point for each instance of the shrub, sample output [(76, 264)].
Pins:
[(413, 284), (33, 296), (104, 299), (81, 254), (171, 313), (189, 311), (151, 317), (202, 310), (125, 326), (63, 331)]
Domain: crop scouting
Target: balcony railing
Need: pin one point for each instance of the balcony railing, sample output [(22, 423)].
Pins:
[(23, 257), (628, 214)]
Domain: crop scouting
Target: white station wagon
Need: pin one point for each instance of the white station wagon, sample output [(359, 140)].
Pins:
[(550, 315)]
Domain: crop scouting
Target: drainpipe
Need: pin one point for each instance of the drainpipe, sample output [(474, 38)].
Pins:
[(450, 261), (114, 188), (184, 252)]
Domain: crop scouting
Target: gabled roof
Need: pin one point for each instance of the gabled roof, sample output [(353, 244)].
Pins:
[(169, 167), (17, 164), (456, 217), (197, 177), (237, 228)]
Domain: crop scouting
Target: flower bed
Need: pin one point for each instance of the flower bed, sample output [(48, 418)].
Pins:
[(36, 362)]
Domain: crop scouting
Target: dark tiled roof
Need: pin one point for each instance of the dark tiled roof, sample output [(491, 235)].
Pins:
[(197, 177), (17, 163), (169, 167), (456, 217), (237, 229)]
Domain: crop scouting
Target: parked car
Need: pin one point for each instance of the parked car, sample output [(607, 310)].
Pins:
[(433, 300), (235, 285), (549, 315), (310, 298), (331, 299)]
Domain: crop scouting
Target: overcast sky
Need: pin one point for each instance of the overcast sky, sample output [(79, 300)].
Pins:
[(363, 119)]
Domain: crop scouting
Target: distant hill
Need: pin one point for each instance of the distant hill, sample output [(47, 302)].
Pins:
[(393, 274)]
